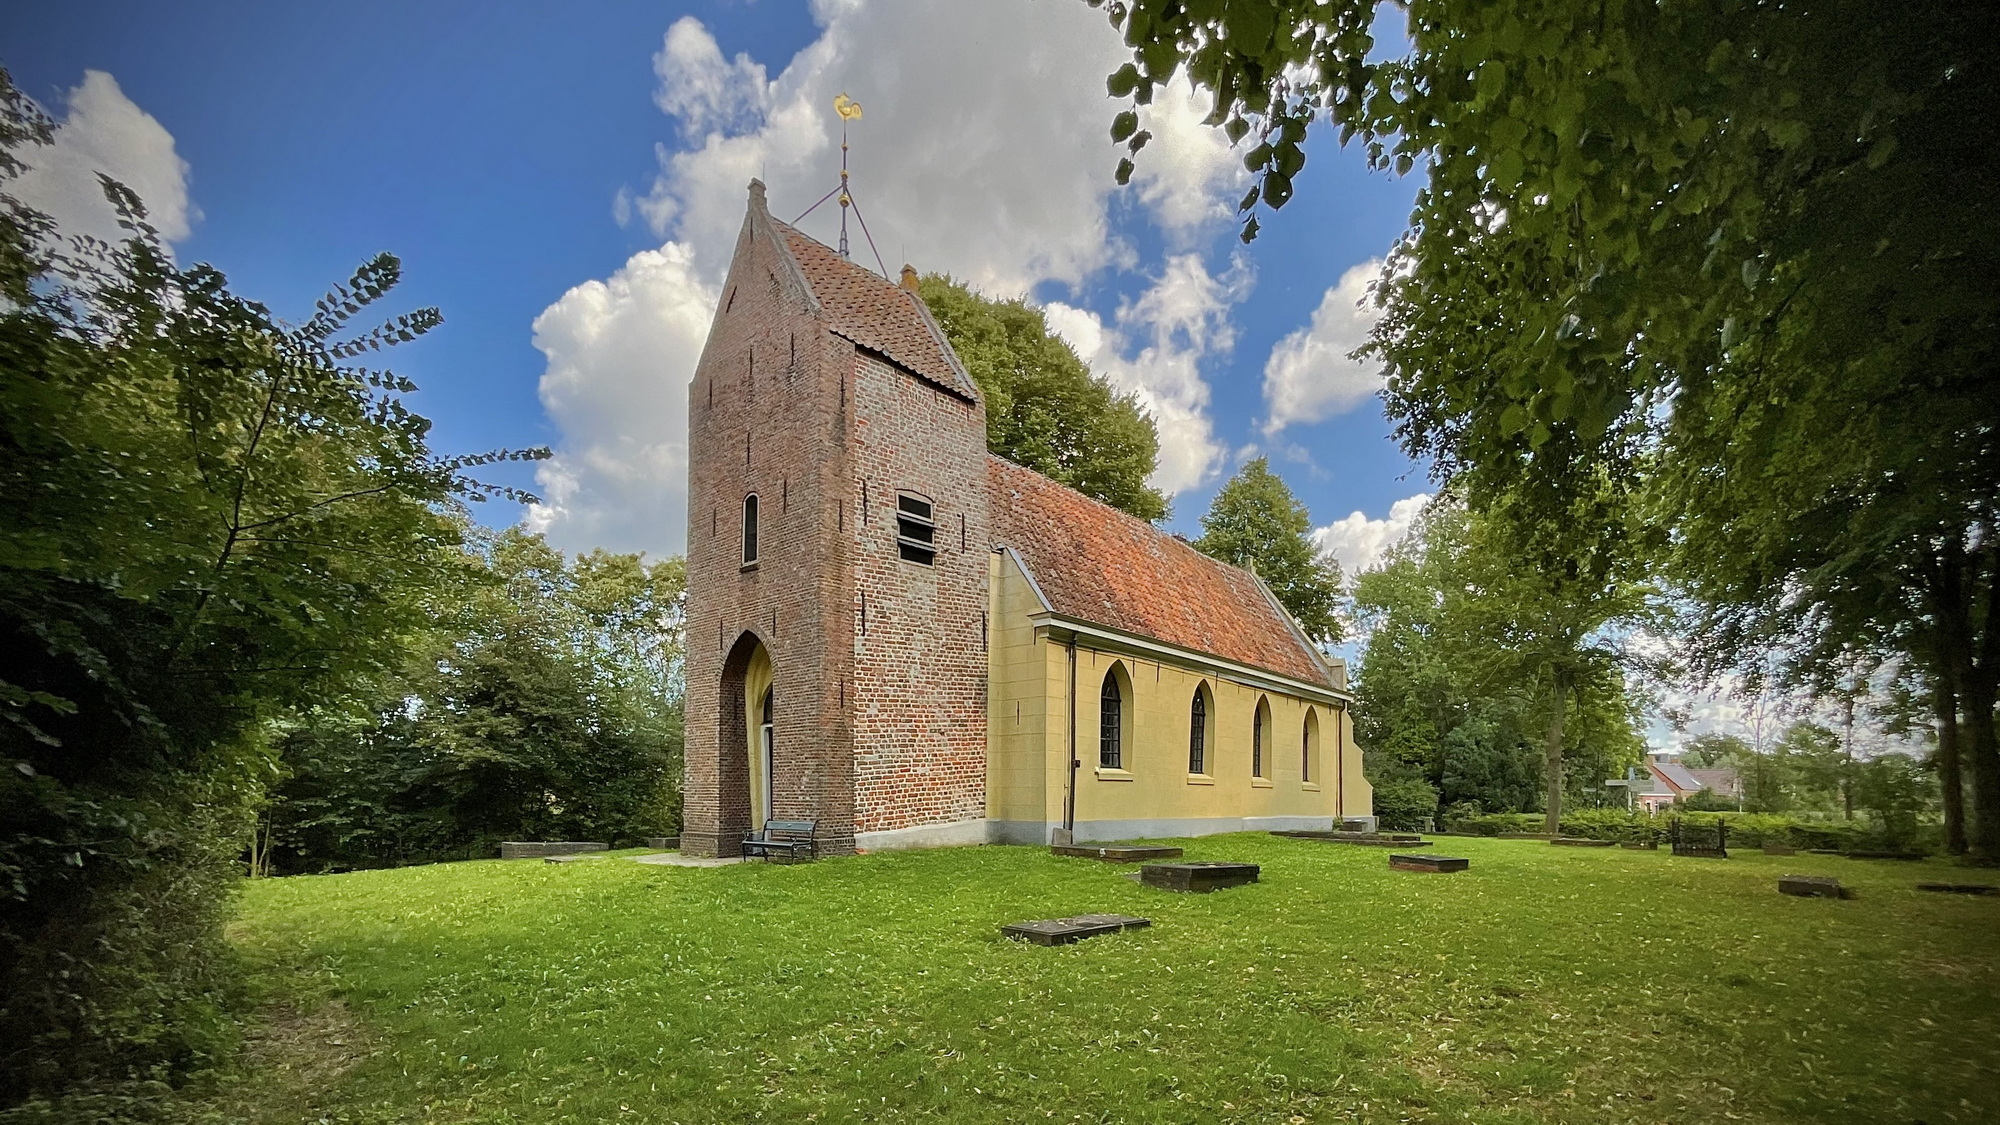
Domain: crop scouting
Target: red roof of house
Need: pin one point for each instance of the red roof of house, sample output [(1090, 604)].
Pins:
[(1100, 565), (876, 313)]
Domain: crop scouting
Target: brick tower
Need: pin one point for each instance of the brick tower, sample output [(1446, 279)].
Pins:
[(837, 550)]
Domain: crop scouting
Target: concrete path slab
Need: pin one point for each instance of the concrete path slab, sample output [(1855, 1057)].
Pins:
[(676, 859)]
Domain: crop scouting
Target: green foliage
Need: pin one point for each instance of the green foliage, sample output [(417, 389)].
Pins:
[(1454, 679), (1721, 255), (1255, 522), (1044, 409), (211, 518), (545, 705), (540, 993), (1405, 804)]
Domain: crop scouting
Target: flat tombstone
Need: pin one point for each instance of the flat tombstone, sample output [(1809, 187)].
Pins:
[(1581, 842), (1064, 931), (527, 849), (1810, 886), (1439, 863), (1197, 878), (1117, 853), (1960, 888)]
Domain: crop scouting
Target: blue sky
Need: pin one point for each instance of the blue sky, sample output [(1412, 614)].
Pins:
[(564, 184)]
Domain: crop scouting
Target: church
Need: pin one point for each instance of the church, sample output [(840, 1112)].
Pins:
[(912, 642)]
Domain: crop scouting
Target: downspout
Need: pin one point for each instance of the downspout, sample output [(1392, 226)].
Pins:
[(1069, 794)]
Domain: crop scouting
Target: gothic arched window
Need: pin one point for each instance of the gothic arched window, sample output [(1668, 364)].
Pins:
[(750, 530), (1111, 723), (1198, 731)]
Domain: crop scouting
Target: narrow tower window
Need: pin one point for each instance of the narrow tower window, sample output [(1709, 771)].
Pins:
[(750, 530), (916, 535)]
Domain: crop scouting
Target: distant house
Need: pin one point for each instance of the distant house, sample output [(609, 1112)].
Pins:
[(1667, 780)]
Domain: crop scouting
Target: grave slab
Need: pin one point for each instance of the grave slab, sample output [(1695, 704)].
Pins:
[(1364, 841), (1581, 842), (1641, 845), (528, 849), (663, 843), (1811, 886), (1197, 878), (1064, 931), (1117, 853), (1438, 863), (1960, 888)]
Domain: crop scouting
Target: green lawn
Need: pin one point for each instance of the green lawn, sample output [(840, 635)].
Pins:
[(1546, 984)]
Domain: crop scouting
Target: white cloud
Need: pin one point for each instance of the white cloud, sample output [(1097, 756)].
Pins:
[(1188, 173), (1183, 317), (1310, 376), (705, 92), (984, 152), (1359, 542), (620, 355), (103, 131)]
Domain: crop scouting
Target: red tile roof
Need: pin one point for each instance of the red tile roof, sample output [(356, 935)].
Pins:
[(875, 313), (1097, 564)]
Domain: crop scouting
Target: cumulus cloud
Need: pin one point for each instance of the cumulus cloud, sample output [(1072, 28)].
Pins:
[(620, 355), (1188, 174), (1360, 543), (1310, 376), (101, 130), (1181, 318), (984, 152)]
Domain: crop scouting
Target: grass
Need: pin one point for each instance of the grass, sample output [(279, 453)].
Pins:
[(1544, 985)]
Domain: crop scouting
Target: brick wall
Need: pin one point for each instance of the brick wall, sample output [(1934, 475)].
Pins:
[(879, 727), (920, 663), (767, 414)]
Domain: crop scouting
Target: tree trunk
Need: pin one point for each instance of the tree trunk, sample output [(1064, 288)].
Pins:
[(1982, 757), (1847, 767), (1553, 761), (1944, 702)]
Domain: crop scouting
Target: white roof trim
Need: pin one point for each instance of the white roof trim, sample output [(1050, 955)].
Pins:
[(1030, 576)]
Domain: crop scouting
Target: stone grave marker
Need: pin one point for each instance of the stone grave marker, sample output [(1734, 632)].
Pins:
[(663, 843), (1117, 853), (1581, 842), (1064, 931), (1960, 888), (1197, 878), (528, 849), (1439, 863), (1812, 886)]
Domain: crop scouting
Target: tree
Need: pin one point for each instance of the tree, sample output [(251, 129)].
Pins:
[(1044, 409), (1727, 248), (1478, 678), (545, 704), (212, 517), (1255, 522)]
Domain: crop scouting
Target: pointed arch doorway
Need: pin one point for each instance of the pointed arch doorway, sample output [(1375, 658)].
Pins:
[(747, 739)]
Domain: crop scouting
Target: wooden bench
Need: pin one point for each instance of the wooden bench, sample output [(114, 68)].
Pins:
[(788, 838)]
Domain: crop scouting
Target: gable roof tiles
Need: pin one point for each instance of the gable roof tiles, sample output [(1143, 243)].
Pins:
[(876, 313), (1097, 564)]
